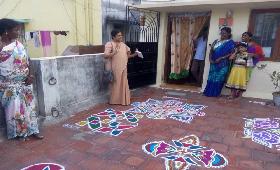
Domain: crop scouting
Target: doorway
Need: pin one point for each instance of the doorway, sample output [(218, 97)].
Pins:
[(186, 45), (142, 33)]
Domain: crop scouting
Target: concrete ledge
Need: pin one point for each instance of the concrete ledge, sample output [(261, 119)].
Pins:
[(260, 85), (69, 84)]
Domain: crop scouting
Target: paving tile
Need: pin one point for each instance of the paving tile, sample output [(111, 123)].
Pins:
[(240, 152), (212, 137), (92, 163), (157, 164), (232, 141), (264, 156), (81, 146), (251, 165), (219, 147), (272, 166), (115, 166), (134, 161), (221, 129), (248, 143)]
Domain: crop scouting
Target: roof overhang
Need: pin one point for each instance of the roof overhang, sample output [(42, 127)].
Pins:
[(18, 20), (206, 5)]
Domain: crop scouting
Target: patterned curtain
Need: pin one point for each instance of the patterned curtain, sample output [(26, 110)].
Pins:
[(183, 31)]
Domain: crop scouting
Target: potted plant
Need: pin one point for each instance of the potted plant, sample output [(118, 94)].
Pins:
[(275, 78)]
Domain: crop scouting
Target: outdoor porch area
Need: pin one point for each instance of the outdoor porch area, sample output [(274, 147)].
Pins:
[(73, 145)]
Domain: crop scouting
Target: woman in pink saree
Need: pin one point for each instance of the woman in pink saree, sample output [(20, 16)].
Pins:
[(118, 53), (15, 84)]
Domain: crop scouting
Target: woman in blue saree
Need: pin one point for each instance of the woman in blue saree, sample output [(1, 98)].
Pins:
[(219, 63)]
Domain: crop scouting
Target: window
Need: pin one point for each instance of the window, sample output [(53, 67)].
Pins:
[(265, 26)]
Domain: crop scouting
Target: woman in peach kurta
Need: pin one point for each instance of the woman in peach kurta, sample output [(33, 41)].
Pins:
[(118, 53)]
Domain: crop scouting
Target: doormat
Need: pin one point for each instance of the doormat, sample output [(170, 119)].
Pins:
[(168, 107), (184, 153), (45, 166), (265, 131), (173, 93), (110, 122)]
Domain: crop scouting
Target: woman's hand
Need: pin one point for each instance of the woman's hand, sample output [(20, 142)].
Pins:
[(252, 55), (29, 80), (232, 56), (219, 60)]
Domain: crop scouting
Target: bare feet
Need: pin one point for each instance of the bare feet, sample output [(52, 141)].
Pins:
[(230, 97)]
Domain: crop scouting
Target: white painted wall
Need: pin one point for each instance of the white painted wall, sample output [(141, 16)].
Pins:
[(260, 85), (161, 48)]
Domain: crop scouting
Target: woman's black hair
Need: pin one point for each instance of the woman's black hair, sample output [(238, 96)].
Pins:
[(248, 33), (114, 32), (228, 30), (7, 24)]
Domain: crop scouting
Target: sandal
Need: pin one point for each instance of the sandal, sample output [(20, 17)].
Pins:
[(23, 139), (230, 97), (38, 136)]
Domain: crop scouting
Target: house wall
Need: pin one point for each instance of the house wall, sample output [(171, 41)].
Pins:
[(259, 85), (82, 20)]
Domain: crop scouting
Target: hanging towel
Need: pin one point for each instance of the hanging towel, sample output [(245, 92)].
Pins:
[(27, 36), (45, 38), (47, 51), (36, 39)]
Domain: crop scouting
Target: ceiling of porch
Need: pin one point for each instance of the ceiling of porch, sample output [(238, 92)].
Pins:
[(206, 5)]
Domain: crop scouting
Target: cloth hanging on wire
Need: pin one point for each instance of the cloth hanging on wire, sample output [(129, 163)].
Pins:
[(46, 42), (36, 39), (45, 38)]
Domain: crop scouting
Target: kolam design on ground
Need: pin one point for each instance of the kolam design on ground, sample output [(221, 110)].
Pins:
[(184, 153), (265, 131), (169, 107), (110, 122), (44, 166)]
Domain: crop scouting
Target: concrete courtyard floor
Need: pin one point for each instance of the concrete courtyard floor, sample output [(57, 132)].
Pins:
[(221, 129)]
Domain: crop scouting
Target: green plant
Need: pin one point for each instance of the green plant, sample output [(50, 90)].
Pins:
[(181, 75), (275, 78)]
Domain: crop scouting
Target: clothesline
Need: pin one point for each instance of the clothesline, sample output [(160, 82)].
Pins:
[(188, 14), (40, 38)]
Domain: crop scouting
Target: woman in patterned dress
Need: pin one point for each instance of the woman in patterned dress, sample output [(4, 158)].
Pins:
[(16, 94)]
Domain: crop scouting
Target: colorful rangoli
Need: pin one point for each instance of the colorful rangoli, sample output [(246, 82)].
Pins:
[(110, 122), (184, 153), (265, 131), (45, 166), (169, 107)]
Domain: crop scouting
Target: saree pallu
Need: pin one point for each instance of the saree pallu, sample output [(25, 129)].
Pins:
[(17, 98), (216, 79), (218, 71)]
